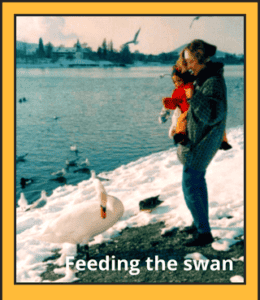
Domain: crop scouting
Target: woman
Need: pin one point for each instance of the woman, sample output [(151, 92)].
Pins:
[(206, 120)]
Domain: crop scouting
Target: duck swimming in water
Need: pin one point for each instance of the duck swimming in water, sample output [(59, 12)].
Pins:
[(21, 157), (25, 181), (72, 163), (75, 149)]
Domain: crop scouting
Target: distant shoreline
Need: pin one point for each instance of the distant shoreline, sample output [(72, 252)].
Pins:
[(83, 64), (86, 66)]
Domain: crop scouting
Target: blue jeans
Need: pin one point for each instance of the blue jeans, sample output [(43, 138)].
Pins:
[(196, 196)]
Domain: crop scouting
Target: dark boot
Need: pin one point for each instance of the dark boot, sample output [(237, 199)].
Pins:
[(192, 229), (200, 239), (180, 138), (225, 146)]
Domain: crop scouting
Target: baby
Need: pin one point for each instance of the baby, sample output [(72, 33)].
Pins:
[(178, 102)]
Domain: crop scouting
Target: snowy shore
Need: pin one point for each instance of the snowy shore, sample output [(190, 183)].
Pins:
[(156, 174)]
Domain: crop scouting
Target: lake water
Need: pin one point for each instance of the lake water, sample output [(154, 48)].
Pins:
[(110, 114)]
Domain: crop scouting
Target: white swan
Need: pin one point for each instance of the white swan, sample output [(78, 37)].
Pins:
[(82, 223)]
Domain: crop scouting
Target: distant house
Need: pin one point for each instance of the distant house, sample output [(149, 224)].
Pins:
[(76, 52), (64, 52)]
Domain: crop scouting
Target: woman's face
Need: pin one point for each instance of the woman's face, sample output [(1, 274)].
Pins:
[(193, 63)]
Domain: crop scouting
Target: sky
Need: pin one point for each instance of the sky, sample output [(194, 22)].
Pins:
[(158, 34)]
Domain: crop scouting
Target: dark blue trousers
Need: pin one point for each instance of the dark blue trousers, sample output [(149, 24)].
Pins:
[(196, 196)]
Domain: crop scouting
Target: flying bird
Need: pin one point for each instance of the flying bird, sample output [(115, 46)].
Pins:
[(196, 18), (163, 75), (134, 41)]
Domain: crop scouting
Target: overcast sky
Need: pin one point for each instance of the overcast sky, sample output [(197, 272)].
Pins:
[(157, 35)]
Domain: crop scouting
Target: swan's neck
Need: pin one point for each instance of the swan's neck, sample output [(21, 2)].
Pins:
[(103, 198)]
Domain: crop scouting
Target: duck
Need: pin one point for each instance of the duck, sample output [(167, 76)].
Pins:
[(150, 203), (40, 202), (80, 224), (25, 181), (21, 157), (59, 176), (74, 148), (85, 163), (71, 163), (83, 167), (60, 173), (82, 170)]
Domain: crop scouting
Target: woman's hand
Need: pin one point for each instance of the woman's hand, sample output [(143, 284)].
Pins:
[(188, 93)]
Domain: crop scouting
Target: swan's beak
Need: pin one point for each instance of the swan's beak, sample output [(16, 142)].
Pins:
[(103, 212)]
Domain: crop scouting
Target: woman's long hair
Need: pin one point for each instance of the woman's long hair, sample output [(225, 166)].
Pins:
[(201, 50)]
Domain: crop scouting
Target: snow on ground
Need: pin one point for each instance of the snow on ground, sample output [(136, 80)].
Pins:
[(156, 174), (237, 278)]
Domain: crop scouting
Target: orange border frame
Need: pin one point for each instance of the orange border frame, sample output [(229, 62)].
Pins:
[(30, 291)]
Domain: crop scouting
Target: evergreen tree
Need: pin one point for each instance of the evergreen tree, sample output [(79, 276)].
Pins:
[(125, 55), (41, 52), (48, 50), (99, 53), (104, 49), (110, 47), (111, 53)]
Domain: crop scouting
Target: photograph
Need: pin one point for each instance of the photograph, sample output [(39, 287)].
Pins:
[(129, 150)]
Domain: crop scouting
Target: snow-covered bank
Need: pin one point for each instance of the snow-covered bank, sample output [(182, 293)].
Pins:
[(157, 174)]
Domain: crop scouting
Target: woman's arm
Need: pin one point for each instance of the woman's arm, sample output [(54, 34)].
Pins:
[(208, 103)]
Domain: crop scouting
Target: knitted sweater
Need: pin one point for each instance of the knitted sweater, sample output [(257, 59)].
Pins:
[(206, 118)]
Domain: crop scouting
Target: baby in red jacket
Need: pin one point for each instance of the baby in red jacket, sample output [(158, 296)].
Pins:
[(178, 102)]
